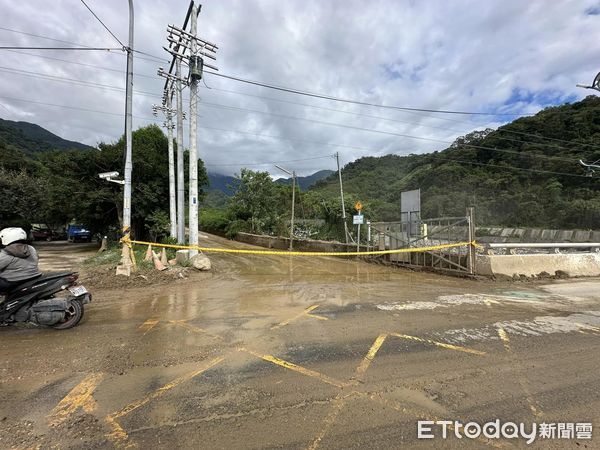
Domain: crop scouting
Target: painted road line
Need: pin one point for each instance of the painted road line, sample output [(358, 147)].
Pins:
[(195, 329), (337, 404), (440, 344), (315, 316), (79, 397), (294, 367), (297, 316), (533, 406), (118, 434), (368, 359), (584, 328), (148, 325)]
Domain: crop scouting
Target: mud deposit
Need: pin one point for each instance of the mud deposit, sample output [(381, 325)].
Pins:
[(302, 352)]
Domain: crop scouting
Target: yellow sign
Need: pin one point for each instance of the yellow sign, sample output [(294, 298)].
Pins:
[(358, 206)]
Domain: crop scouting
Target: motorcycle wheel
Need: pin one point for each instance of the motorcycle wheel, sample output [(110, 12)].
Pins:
[(72, 316)]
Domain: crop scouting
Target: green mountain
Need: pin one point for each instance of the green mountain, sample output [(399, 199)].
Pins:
[(32, 138), (307, 181), (526, 173)]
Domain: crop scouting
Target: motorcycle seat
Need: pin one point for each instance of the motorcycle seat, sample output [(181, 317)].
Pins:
[(41, 277)]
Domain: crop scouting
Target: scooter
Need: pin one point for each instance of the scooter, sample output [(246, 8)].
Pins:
[(35, 301)]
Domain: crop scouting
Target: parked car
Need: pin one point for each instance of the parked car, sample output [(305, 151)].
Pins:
[(42, 234), (78, 233)]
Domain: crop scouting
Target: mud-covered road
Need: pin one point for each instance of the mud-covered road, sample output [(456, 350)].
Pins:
[(303, 352)]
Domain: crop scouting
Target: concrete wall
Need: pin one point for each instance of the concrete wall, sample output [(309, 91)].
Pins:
[(306, 245), (574, 264)]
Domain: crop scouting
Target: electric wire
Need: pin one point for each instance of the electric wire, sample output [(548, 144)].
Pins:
[(102, 23), (438, 155), (233, 108), (357, 102), (498, 130)]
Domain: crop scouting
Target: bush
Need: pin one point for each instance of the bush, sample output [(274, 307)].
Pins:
[(214, 220)]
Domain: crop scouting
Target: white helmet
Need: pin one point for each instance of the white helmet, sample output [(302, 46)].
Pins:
[(10, 235)]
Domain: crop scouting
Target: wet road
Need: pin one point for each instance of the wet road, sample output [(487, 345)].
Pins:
[(278, 352)]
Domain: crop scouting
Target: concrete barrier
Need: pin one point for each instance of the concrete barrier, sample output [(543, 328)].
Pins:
[(306, 245), (574, 264)]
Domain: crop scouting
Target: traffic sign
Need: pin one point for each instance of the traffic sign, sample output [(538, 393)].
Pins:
[(358, 219), (358, 206)]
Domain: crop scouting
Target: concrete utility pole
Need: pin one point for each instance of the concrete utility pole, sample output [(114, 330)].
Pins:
[(195, 76), (180, 41), (126, 263), (337, 158), (293, 175), (180, 166), (172, 188), (168, 124)]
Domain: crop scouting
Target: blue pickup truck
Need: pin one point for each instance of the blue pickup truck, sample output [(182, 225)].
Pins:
[(78, 233)]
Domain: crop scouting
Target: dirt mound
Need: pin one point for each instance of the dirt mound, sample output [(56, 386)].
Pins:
[(105, 278)]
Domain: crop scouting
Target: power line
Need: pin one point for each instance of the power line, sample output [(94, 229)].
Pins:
[(440, 155), (102, 23), (217, 105), (154, 60), (513, 167), (92, 66), (356, 102), (498, 130), (269, 163), (59, 48)]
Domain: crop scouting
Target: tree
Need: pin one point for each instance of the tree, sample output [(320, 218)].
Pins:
[(258, 204)]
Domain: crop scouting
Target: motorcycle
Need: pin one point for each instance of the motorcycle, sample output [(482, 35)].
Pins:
[(38, 301)]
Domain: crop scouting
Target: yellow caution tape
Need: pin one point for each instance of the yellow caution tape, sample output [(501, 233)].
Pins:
[(293, 253)]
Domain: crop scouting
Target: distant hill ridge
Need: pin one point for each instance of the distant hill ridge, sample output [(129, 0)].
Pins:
[(32, 138)]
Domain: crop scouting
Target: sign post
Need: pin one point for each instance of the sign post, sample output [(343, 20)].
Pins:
[(358, 220)]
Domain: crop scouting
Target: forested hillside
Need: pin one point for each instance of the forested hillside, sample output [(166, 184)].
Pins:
[(59, 186), (526, 173), (32, 138)]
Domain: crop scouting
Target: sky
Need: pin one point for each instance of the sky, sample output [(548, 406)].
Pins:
[(498, 57)]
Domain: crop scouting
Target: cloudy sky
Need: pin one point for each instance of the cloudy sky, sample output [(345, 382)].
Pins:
[(498, 56)]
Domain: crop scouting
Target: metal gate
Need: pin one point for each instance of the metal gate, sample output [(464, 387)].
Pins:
[(428, 233)]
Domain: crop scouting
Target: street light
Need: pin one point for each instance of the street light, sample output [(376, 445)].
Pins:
[(293, 175), (591, 168), (595, 84)]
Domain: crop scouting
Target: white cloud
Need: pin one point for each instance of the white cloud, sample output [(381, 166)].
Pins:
[(461, 55)]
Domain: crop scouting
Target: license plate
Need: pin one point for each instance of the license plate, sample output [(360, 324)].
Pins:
[(78, 290)]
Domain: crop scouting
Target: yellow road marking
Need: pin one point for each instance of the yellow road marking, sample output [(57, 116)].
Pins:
[(184, 324), (587, 327), (338, 403), (368, 359), (118, 434), (440, 344), (297, 316), (79, 397), (530, 401), (296, 368), (148, 325), (315, 316)]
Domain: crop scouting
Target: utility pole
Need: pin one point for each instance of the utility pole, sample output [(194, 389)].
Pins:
[(168, 124), (180, 166), (195, 75), (337, 158), (293, 174), (126, 263), (180, 42)]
